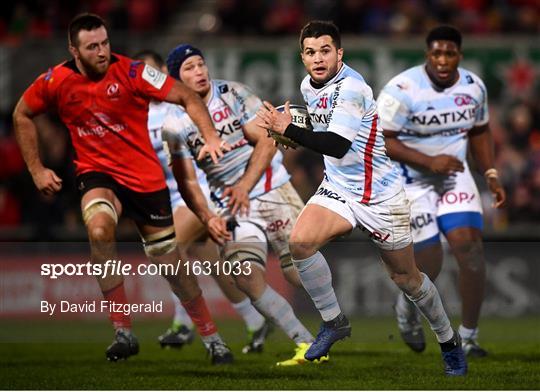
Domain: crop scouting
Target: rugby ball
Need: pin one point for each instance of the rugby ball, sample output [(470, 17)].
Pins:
[(300, 118)]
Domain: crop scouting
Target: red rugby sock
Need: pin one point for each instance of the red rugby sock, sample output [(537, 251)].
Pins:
[(118, 295), (198, 311)]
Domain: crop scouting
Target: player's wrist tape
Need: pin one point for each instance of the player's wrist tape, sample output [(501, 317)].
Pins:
[(491, 173), (327, 143)]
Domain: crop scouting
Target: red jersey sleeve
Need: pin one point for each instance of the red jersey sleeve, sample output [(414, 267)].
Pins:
[(38, 95), (152, 82)]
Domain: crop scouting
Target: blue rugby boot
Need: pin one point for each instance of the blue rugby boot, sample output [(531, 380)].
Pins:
[(330, 332), (455, 363)]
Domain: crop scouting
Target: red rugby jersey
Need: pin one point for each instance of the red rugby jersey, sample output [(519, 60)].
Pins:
[(107, 119)]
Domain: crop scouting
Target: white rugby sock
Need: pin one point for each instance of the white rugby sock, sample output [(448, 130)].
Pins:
[(181, 317), (317, 280), (406, 310), (276, 308), (467, 333), (428, 301), (253, 319)]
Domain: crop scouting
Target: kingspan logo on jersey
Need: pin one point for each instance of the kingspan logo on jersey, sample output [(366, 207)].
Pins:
[(99, 125)]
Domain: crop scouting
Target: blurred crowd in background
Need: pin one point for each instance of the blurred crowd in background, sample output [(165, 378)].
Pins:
[(45, 18), (515, 123), (385, 17)]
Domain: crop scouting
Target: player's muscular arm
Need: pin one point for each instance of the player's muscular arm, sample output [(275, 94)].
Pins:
[(26, 134), (258, 162), (198, 112), (440, 164), (481, 145), (190, 189)]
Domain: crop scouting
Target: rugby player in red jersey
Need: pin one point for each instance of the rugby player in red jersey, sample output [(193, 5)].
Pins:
[(103, 99)]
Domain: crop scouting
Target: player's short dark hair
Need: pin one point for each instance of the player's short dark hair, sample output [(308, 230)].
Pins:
[(155, 56), (318, 28), (85, 21), (444, 33)]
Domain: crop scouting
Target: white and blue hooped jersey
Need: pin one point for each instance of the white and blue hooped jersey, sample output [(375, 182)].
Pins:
[(431, 120), (157, 112), (345, 105), (231, 106)]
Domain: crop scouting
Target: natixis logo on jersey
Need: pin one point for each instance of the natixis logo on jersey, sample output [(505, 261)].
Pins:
[(445, 117)]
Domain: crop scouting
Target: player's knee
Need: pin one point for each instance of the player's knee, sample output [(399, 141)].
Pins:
[(408, 282), (246, 284), (160, 244), (470, 255), (101, 234), (300, 245), (302, 250)]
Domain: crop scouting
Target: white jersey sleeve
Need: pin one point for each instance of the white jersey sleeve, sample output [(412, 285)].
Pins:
[(394, 105), (482, 113), (175, 127)]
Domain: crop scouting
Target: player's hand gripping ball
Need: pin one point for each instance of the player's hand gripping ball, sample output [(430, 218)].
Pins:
[(300, 118)]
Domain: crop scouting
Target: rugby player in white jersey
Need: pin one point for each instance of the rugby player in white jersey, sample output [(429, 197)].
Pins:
[(192, 236), (361, 188), (250, 188), (429, 114)]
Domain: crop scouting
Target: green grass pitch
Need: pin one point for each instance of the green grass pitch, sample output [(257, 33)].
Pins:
[(70, 355)]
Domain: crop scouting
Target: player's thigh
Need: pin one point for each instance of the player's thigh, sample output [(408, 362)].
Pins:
[(387, 222), (425, 230), (187, 226), (100, 205), (153, 217), (100, 210), (467, 247), (317, 225), (279, 208), (460, 206), (254, 283), (424, 227), (249, 242)]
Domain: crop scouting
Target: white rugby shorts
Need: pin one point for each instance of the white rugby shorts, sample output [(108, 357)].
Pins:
[(387, 222), (438, 207), (270, 221)]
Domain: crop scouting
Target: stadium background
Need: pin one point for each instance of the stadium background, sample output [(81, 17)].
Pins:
[(255, 41)]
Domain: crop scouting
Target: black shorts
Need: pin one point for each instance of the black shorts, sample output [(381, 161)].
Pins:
[(149, 208)]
